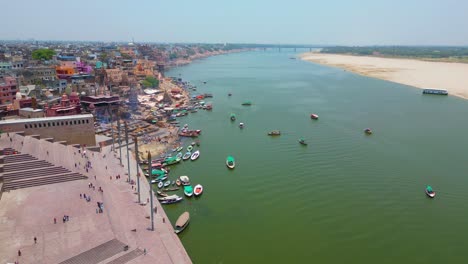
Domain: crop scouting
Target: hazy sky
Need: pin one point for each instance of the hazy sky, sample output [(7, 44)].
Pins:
[(346, 22)]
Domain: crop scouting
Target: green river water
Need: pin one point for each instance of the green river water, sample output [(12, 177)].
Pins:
[(344, 198)]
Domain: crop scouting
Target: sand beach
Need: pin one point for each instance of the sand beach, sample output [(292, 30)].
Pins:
[(452, 77)]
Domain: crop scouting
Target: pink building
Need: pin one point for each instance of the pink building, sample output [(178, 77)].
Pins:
[(68, 106), (8, 89)]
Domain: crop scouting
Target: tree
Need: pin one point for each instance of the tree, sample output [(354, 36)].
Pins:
[(43, 54), (150, 81)]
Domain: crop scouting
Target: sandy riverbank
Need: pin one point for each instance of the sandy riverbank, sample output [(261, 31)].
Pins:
[(452, 77)]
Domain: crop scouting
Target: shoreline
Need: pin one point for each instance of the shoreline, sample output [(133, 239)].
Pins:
[(420, 74)]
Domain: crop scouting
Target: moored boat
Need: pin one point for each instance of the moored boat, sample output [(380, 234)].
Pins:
[(184, 180), (168, 197), (167, 183), (161, 194), (198, 190), (177, 182), (159, 179), (172, 160), (188, 190), (179, 149), (233, 117), (241, 125), (430, 192), (160, 184), (368, 131), (247, 103), (274, 133), (189, 148), (187, 155), (230, 162), (179, 155), (182, 222), (314, 116), (171, 201), (195, 155)]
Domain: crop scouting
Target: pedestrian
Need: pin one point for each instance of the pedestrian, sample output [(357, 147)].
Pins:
[(84, 195), (81, 195), (164, 220), (111, 177), (75, 165), (55, 220), (144, 252), (94, 176), (86, 170), (106, 167), (94, 188), (19, 253), (35, 240)]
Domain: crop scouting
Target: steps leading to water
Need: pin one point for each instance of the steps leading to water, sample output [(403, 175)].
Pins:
[(127, 257), (97, 254)]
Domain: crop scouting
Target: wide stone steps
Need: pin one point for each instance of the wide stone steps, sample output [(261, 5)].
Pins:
[(127, 257), (97, 254), (18, 158), (32, 182), (19, 175), (25, 165)]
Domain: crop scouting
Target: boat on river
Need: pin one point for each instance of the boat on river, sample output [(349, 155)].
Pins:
[(233, 117), (241, 125), (167, 183), (188, 190), (160, 184), (184, 180), (171, 160), (182, 222), (247, 103), (195, 155), (198, 190), (159, 179), (302, 142), (368, 131), (314, 116), (168, 197), (230, 162), (179, 155), (171, 201), (274, 133), (430, 192), (179, 149), (189, 148), (187, 155)]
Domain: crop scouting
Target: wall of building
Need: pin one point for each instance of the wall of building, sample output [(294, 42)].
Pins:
[(77, 129)]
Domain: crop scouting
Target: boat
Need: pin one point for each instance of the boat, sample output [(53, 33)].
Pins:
[(198, 190), (160, 184), (197, 143), (189, 148), (314, 116), (161, 193), (209, 107), (241, 125), (233, 117), (247, 103), (173, 183), (168, 197), (195, 155), (177, 182), (189, 133), (430, 192), (172, 160), (187, 155), (184, 180), (171, 189), (230, 162), (167, 183), (159, 179), (171, 201), (208, 95), (182, 222), (229, 94), (193, 143), (368, 131), (188, 190), (302, 142), (274, 133), (435, 91), (179, 155), (179, 149)]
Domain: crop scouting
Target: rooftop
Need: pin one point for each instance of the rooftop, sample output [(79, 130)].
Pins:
[(44, 119)]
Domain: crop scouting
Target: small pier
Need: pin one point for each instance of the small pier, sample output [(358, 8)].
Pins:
[(435, 91)]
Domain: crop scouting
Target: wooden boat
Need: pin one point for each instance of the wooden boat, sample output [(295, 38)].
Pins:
[(229, 94), (177, 182), (173, 183), (302, 142), (179, 149), (368, 131), (171, 189), (195, 155), (314, 116), (233, 117), (160, 184), (167, 183), (172, 160), (169, 197), (184, 180), (198, 190), (189, 133), (430, 192), (188, 190), (193, 143), (171, 201), (187, 155), (161, 193), (179, 155), (159, 179), (182, 222), (189, 148), (274, 133), (230, 162), (247, 103)]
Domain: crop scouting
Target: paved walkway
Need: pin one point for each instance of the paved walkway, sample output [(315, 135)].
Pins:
[(29, 213)]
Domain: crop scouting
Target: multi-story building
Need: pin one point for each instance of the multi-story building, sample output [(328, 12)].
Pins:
[(8, 89)]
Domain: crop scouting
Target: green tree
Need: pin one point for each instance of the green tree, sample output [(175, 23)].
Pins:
[(150, 81), (43, 54)]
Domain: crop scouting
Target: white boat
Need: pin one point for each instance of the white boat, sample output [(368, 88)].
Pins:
[(170, 197), (195, 155), (187, 155), (167, 183), (241, 125), (160, 184), (198, 190), (184, 180), (171, 201)]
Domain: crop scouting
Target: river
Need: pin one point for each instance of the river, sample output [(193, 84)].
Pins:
[(347, 197)]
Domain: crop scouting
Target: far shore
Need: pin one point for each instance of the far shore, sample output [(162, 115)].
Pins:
[(452, 77)]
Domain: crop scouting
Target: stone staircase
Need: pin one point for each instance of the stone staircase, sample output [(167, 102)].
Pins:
[(23, 171), (98, 254), (127, 257)]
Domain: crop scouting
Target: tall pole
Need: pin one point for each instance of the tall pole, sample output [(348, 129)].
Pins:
[(128, 156), (120, 141), (137, 155), (151, 191), (112, 127)]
